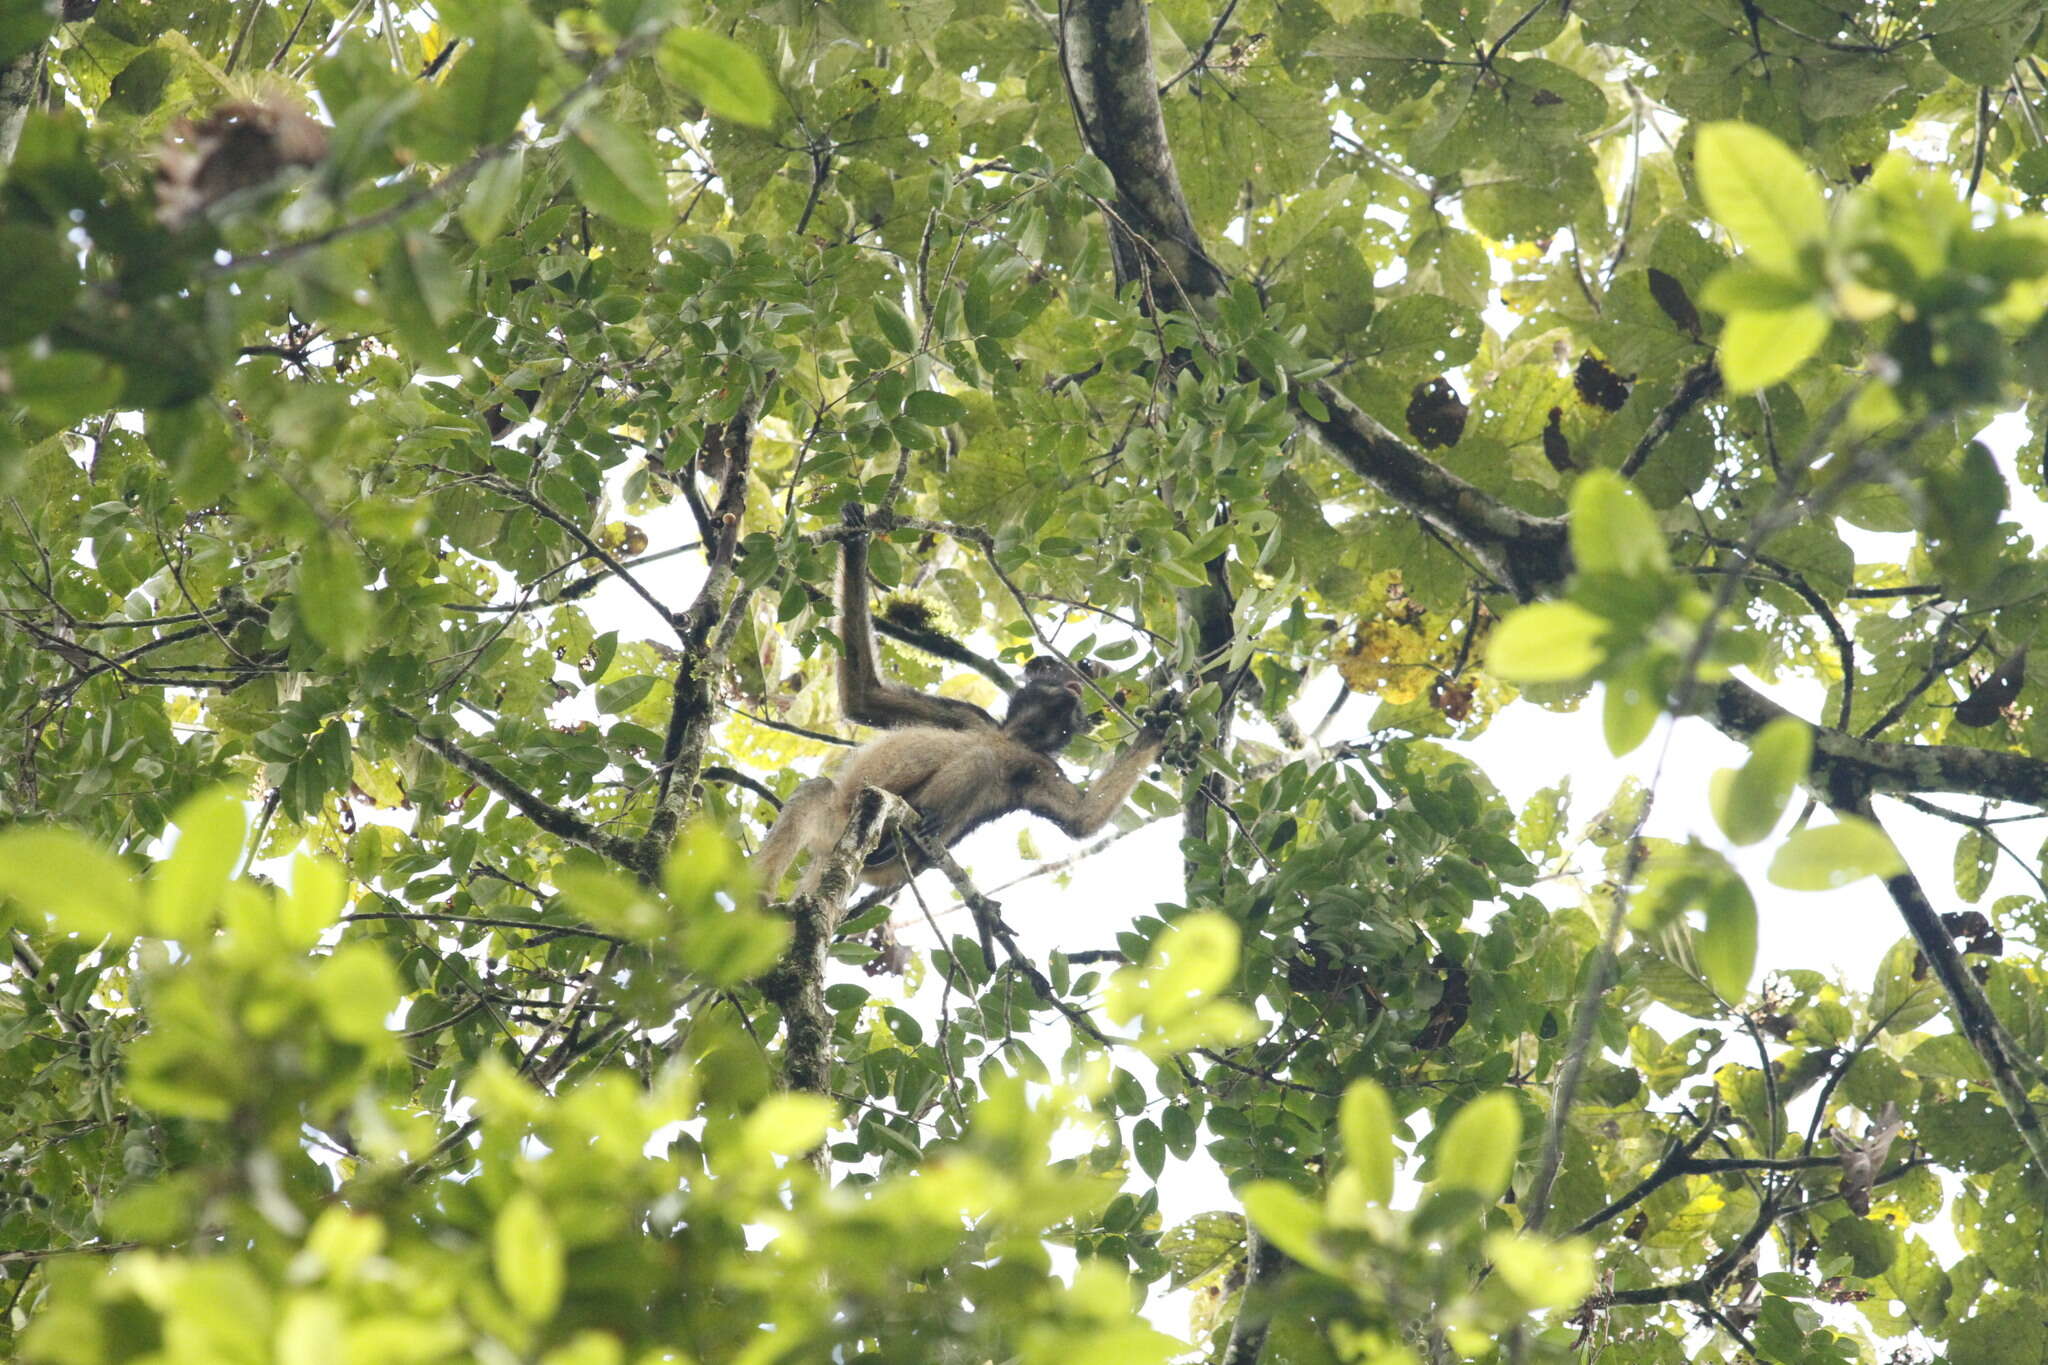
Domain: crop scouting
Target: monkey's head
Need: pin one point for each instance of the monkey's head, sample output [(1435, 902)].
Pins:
[(1046, 712)]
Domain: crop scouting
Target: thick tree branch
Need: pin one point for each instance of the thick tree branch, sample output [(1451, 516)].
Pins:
[(690, 718), (17, 94), (1701, 381), (1970, 1008), (797, 985)]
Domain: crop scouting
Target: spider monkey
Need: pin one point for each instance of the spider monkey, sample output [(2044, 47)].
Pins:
[(956, 766)]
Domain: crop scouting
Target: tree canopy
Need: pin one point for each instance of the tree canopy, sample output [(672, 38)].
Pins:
[(427, 432)]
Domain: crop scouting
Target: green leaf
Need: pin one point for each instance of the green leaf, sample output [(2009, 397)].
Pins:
[(1633, 700), (1759, 349), (58, 872), (934, 409), (895, 327), (1192, 960), (726, 78), (184, 889), (528, 1257), (334, 599), (489, 86), (38, 284), (1477, 1151), (1747, 805), (617, 173), (1825, 857), (491, 196), (622, 694), (1976, 859), (1546, 642), (1759, 189), (1746, 289), (1727, 948), (1366, 1119), (1148, 1145), (140, 86), (1613, 529), (60, 387)]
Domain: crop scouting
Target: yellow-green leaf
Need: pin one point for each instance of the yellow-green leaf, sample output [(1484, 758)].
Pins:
[(1543, 1273), (184, 889), (1546, 642), (1613, 529), (58, 872), (1759, 349), (1759, 189), (528, 1256), (1747, 805), (1478, 1149), (1824, 857), (790, 1124), (1366, 1119)]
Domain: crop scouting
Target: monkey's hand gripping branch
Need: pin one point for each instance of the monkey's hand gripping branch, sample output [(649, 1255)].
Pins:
[(797, 985)]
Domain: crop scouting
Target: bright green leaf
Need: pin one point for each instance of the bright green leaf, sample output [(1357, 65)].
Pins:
[(790, 1124), (1287, 1220), (1726, 948), (319, 893), (1543, 1273), (357, 991)]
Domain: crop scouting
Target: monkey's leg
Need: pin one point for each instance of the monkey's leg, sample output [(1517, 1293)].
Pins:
[(805, 823)]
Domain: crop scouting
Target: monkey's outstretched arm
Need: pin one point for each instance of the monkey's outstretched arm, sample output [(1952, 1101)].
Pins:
[(863, 695), (1081, 812)]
